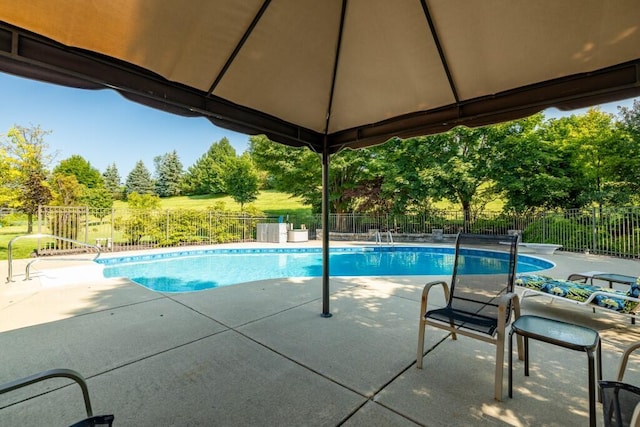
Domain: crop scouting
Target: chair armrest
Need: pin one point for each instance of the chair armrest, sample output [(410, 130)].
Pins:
[(625, 359), (577, 277), (503, 302), (425, 293)]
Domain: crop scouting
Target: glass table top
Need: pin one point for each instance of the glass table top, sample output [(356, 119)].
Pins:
[(556, 332), (618, 278)]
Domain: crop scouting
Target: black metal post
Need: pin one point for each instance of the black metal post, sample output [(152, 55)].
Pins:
[(325, 232)]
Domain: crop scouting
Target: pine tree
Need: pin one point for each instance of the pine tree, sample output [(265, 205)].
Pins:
[(169, 174), (139, 180), (112, 181)]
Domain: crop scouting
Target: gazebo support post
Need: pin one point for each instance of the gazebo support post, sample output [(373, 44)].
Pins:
[(325, 231)]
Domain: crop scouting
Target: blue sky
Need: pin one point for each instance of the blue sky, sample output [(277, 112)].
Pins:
[(105, 128)]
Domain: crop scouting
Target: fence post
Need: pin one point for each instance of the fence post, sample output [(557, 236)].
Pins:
[(111, 231), (594, 240), (167, 227), (210, 228), (86, 224), (38, 248)]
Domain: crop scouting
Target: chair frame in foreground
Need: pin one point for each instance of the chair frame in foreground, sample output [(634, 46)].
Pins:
[(90, 420), (506, 303)]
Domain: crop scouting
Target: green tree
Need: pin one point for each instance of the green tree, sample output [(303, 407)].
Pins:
[(594, 137), (241, 180), (529, 169), (99, 199), (139, 180), (456, 166), (399, 168), (143, 201), (206, 175), (144, 220), (35, 192), (625, 154), (28, 151), (356, 177), (86, 174), (112, 181), (169, 174), (9, 180), (296, 171), (66, 190)]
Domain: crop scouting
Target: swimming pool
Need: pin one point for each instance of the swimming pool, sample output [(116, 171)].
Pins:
[(194, 270)]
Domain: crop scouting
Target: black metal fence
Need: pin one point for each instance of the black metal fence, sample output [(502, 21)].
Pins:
[(610, 231)]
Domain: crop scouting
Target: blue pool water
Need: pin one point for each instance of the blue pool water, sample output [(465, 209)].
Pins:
[(196, 270)]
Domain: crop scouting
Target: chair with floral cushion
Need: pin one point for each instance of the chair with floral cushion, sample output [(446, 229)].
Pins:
[(592, 296)]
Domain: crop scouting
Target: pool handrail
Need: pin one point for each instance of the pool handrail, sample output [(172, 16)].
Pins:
[(378, 238), (42, 236)]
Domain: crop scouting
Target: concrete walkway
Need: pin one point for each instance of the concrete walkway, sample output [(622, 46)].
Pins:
[(261, 354)]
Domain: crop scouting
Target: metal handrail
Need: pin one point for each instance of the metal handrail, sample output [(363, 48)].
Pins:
[(378, 238), (41, 236)]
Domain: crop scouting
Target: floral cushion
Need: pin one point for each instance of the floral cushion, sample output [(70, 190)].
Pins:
[(581, 292)]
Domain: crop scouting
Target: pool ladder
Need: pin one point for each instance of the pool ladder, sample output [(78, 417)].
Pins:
[(379, 238), (42, 236)]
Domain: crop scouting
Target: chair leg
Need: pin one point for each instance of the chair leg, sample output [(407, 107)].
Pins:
[(499, 366), (520, 347), (420, 343)]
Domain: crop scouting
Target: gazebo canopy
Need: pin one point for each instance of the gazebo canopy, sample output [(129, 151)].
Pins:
[(330, 74), (333, 73)]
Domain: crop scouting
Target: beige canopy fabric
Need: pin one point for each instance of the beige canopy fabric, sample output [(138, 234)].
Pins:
[(333, 73), (330, 74)]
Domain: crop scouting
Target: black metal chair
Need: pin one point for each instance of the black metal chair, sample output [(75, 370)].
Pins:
[(481, 296), (620, 404), (90, 421)]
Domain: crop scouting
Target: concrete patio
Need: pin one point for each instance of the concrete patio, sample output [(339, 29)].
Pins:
[(261, 354)]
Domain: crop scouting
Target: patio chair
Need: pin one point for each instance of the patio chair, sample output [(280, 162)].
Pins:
[(90, 420), (620, 404), (481, 297), (625, 359)]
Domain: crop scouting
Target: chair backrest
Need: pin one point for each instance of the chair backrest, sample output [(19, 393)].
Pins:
[(484, 269), (619, 400)]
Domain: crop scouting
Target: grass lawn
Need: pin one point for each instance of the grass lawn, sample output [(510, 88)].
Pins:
[(21, 248), (269, 202)]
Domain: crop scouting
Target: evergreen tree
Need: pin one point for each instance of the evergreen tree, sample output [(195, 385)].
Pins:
[(139, 180), (169, 174), (112, 182)]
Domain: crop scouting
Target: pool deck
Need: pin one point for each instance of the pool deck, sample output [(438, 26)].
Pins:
[(261, 354)]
